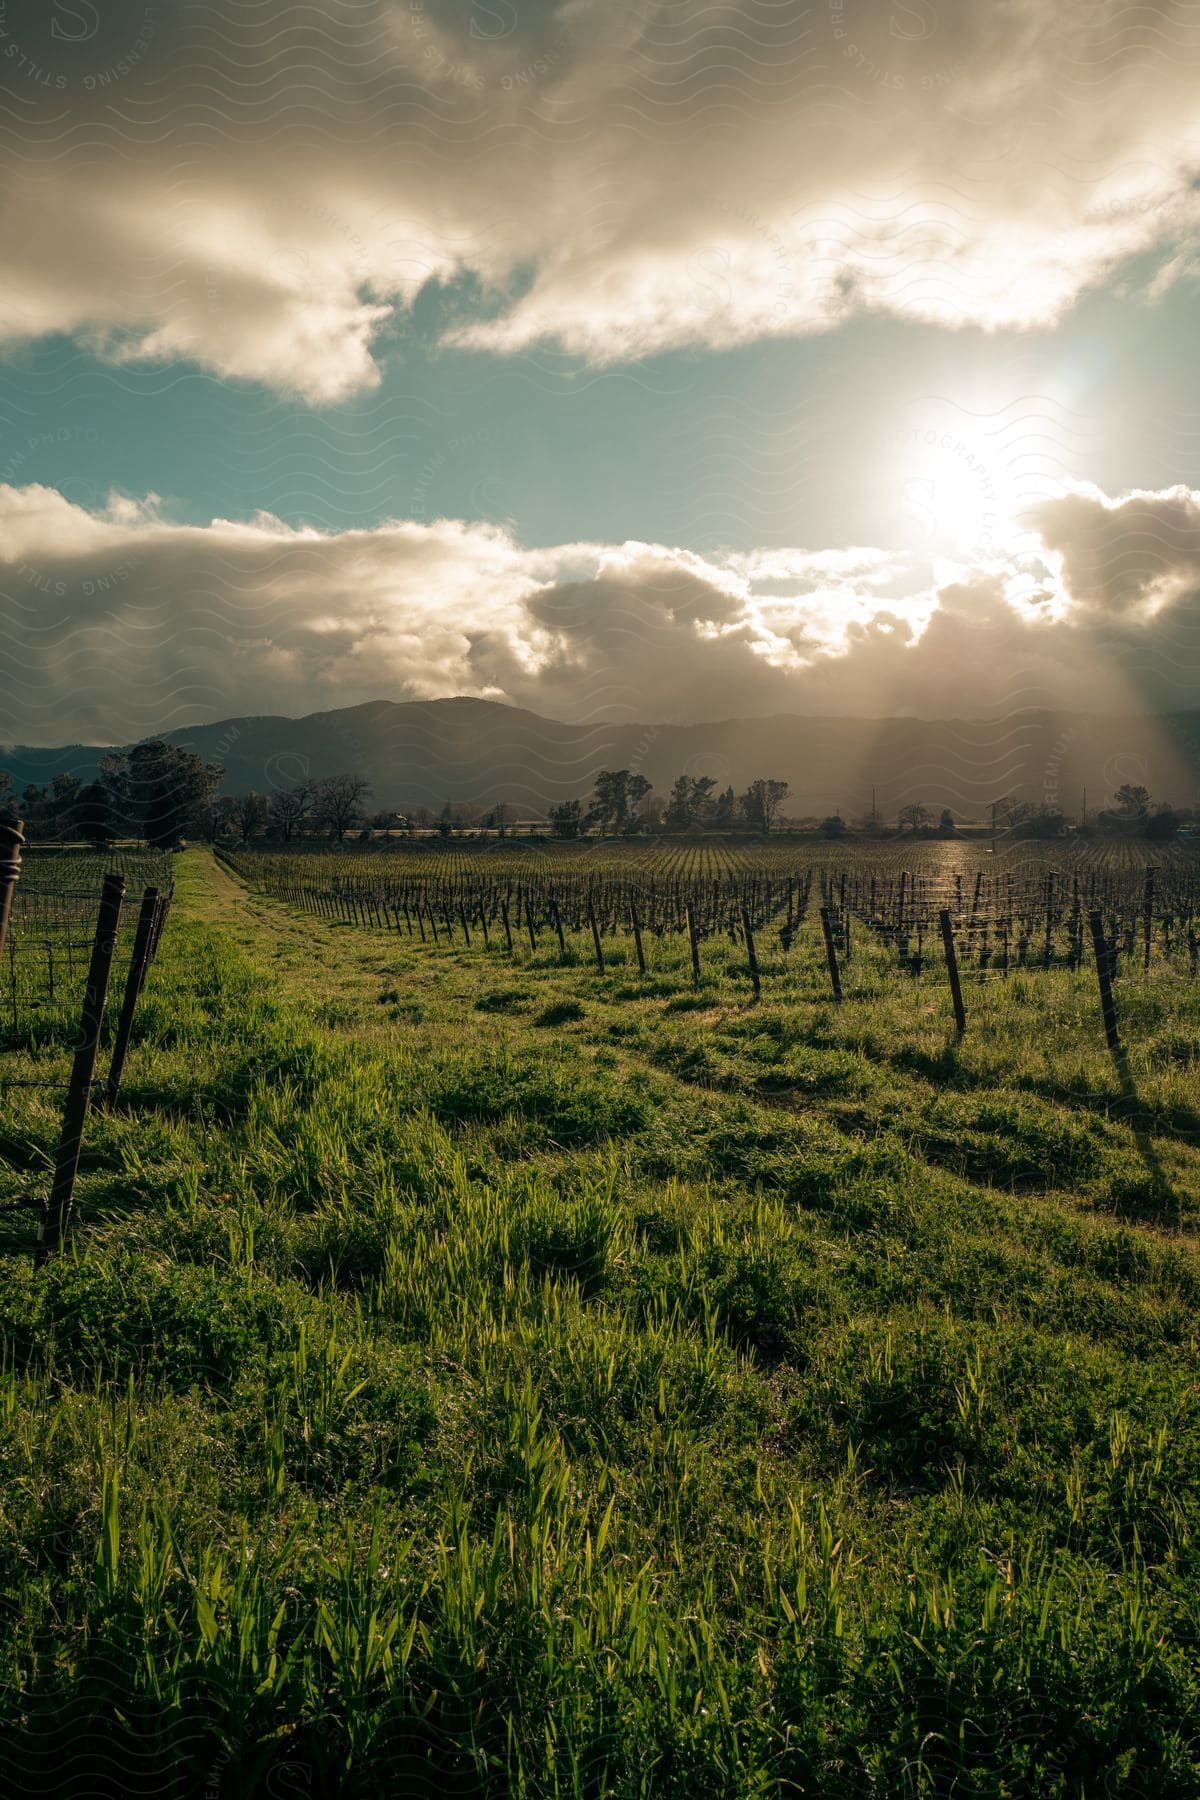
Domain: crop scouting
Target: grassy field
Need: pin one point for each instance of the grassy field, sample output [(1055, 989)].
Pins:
[(487, 1375)]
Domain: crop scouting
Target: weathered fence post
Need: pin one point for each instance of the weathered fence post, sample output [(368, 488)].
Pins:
[(66, 1167), (690, 916), (159, 921), (507, 926), (960, 1016), (637, 937), (1148, 919), (556, 915), (831, 953), (139, 962), (751, 953), (12, 842), (1104, 978), (591, 913)]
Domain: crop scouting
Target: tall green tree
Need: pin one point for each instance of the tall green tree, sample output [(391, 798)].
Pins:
[(564, 819), (690, 802), (616, 797), (65, 790), (96, 820), (35, 810), (159, 791)]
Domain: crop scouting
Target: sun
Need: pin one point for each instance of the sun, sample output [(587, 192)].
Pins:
[(949, 501)]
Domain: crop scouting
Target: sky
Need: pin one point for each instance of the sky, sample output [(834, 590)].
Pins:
[(635, 360)]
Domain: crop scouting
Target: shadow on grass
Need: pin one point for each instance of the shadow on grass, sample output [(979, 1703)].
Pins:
[(1159, 1199)]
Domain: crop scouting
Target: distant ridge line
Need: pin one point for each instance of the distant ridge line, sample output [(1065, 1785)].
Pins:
[(469, 751)]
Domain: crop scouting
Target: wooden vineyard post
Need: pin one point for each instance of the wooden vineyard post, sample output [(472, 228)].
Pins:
[(507, 925), (831, 954), (556, 915), (139, 962), (12, 842), (529, 924), (1148, 918), (483, 925), (960, 1016), (462, 913), (637, 937), (690, 918), (1104, 978), (83, 1069), (1076, 925), (591, 913), (751, 954), (158, 918)]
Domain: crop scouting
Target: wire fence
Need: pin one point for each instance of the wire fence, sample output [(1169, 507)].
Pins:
[(57, 1001)]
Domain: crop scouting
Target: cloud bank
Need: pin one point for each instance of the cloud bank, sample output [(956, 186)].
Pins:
[(265, 193), (118, 623)]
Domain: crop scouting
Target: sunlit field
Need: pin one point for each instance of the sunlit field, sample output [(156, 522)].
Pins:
[(488, 1369)]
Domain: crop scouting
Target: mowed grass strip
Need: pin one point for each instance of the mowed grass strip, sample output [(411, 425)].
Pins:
[(503, 1378)]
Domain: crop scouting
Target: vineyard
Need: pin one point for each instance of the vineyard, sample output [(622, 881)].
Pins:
[(590, 1320), (739, 911)]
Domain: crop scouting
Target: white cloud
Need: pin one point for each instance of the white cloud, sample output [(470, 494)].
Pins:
[(262, 195), (120, 622)]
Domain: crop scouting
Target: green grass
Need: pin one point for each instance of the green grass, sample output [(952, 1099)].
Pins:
[(487, 1376)]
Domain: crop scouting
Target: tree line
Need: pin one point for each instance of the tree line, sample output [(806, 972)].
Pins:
[(154, 791), (162, 793), (623, 803)]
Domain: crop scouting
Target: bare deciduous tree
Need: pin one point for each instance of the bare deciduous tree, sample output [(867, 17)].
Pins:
[(247, 814), (761, 803), (290, 807), (337, 802)]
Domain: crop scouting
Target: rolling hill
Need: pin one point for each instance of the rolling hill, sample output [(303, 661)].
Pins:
[(467, 750)]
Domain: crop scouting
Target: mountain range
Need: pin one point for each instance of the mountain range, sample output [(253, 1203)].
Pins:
[(466, 750)]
